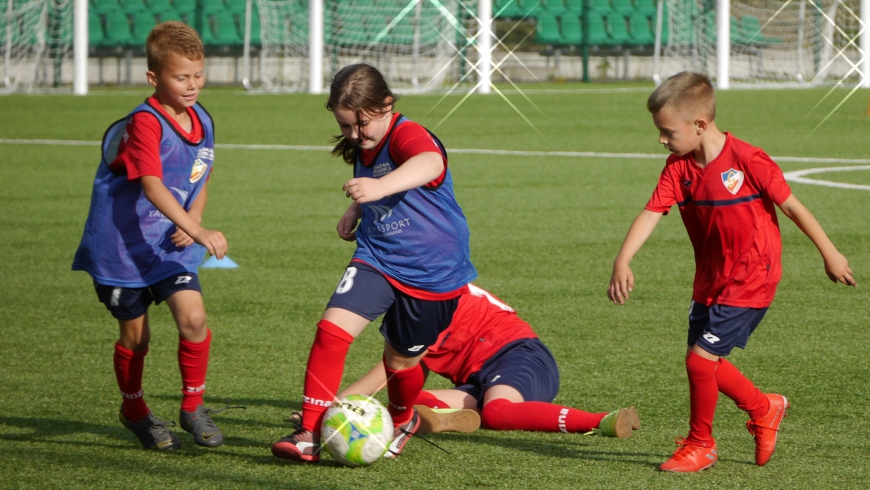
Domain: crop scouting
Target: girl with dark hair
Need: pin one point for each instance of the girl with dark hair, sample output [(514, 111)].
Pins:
[(412, 261)]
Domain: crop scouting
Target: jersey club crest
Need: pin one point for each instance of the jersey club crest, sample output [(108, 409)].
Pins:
[(733, 180)]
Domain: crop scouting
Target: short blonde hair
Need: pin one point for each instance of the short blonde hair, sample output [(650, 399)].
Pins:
[(688, 94), (172, 38)]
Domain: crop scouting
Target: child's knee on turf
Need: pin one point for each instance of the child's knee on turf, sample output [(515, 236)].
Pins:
[(135, 335), (192, 324)]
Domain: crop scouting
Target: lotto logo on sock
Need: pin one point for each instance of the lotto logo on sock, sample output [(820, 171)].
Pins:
[(563, 415), (192, 390), (132, 396), (316, 402)]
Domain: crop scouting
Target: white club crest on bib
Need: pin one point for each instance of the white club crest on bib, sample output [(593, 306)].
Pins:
[(197, 171), (733, 180)]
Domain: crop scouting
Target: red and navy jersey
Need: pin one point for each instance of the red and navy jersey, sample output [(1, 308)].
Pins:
[(482, 324), (729, 210), (127, 241), (419, 238)]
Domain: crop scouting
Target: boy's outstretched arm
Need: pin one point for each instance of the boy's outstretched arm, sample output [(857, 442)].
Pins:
[(165, 202), (622, 280), (836, 265), (417, 171)]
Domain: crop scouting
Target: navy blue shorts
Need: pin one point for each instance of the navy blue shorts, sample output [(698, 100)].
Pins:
[(719, 328), (410, 324), (526, 365), (131, 303)]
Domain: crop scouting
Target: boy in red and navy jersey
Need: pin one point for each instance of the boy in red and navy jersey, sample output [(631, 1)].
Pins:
[(502, 373), (727, 192)]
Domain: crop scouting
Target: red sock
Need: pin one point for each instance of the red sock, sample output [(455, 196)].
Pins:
[(193, 363), (703, 395), (403, 387), (430, 400), (323, 373), (737, 387), (128, 371), (502, 414)]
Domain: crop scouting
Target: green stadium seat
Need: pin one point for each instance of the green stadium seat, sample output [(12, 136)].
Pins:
[(158, 6), (237, 6), (131, 7), (530, 8), (572, 28), (170, 14), (95, 30), (117, 29), (224, 28), (402, 33), (750, 28), (597, 29), (506, 9), (547, 29), (102, 7), (647, 7), (212, 6), (555, 7), (601, 7), (623, 7), (185, 6), (143, 22), (641, 29), (618, 28), (575, 6)]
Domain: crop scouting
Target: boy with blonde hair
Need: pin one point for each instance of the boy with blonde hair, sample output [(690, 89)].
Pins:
[(143, 241), (726, 191)]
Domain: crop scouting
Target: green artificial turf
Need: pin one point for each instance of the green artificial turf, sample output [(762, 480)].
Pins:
[(545, 229)]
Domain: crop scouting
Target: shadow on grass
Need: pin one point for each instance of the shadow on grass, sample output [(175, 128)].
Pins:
[(218, 402), (581, 447)]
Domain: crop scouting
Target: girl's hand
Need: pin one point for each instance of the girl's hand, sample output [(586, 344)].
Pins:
[(363, 190), (348, 222)]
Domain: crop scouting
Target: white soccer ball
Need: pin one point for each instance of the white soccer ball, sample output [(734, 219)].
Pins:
[(357, 430)]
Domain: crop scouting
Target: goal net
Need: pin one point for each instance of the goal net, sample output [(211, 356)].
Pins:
[(772, 41), (36, 44), (419, 45)]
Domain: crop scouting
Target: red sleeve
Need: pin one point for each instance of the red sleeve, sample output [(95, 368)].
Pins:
[(139, 151), (665, 194), (409, 140), (768, 177)]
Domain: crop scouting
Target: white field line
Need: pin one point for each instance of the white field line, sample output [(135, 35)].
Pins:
[(796, 176)]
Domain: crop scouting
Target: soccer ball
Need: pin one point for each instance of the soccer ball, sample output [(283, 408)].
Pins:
[(357, 430)]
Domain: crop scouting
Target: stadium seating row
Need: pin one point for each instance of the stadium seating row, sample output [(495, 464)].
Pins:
[(125, 23), (111, 26), (516, 9), (611, 29)]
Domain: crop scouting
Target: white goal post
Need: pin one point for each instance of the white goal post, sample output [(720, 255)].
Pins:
[(765, 42)]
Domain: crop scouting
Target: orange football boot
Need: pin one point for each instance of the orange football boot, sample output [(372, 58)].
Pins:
[(766, 428), (689, 458)]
